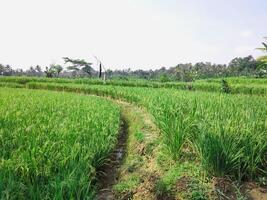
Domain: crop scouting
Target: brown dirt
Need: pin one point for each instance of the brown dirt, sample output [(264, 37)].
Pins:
[(255, 192), (182, 184), (225, 189), (108, 174), (146, 188), (148, 170)]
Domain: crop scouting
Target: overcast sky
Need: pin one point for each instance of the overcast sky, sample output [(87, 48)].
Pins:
[(130, 33)]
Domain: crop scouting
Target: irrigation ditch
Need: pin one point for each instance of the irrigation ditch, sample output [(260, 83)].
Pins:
[(108, 174)]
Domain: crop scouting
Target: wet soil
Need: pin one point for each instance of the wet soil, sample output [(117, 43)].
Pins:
[(108, 173)]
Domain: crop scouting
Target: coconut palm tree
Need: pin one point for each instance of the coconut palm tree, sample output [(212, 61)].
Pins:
[(264, 49), (262, 61)]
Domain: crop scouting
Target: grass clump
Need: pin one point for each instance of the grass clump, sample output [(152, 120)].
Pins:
[(139, 135)]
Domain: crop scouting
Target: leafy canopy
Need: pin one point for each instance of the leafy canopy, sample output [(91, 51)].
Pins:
[(78, 64)]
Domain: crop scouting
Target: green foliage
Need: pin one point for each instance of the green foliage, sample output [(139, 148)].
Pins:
[(242, 66), (262, 61), (78, 64), (211, 122), (225, 87), (240, 85), (228, 132), (164, 78), (187, 177), (57, 69), (51, 144), (49, 71), (264, 48), (125, 186), (139, 136)]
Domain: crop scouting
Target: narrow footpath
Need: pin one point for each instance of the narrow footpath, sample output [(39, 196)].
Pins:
[(131, 171)]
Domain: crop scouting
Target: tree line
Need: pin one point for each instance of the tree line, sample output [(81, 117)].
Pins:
[(240, 66), (246, 66)]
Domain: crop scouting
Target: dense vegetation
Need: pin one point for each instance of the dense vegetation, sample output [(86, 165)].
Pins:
[(246, 66), (224, 134), (241, 85), (228, 133), (52, 143)]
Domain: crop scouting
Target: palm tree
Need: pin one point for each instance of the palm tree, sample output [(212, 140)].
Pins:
[(262, 61), (264, 49)]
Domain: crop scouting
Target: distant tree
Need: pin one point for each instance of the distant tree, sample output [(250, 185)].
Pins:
[(74, 70), (264, 49), (6, 70), (109, 73), (38, 69), (18, 72), (78, 64), (185, 72), (262, 61), (31, 71), (2, 69), (261, 69), (50, 71), (87, 69), (57, 69), (242, 66), (164, 77)]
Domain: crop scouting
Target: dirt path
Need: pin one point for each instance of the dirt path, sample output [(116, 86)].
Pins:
[(133, 158), (135, 174)]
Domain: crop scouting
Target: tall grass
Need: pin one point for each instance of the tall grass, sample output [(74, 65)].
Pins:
[(237, 85), (229, 132), (232, 140), (238, 80), (52, 143)]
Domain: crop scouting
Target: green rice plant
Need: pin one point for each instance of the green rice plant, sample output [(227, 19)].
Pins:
[(236, 125), (234, 131), (227, 131), (225, 87), (238, 80), (239, 85), (174, 122), (52, 143), (11, 85)]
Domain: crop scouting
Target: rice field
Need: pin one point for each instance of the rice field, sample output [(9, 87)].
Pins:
[(250, 86), (225, 134), (228, 132), (52, 143)]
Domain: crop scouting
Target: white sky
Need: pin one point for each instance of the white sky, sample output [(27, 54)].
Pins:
[(137, 34)]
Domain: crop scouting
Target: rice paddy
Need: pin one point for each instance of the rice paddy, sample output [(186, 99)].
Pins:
[(52, 143), (224, 134)]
